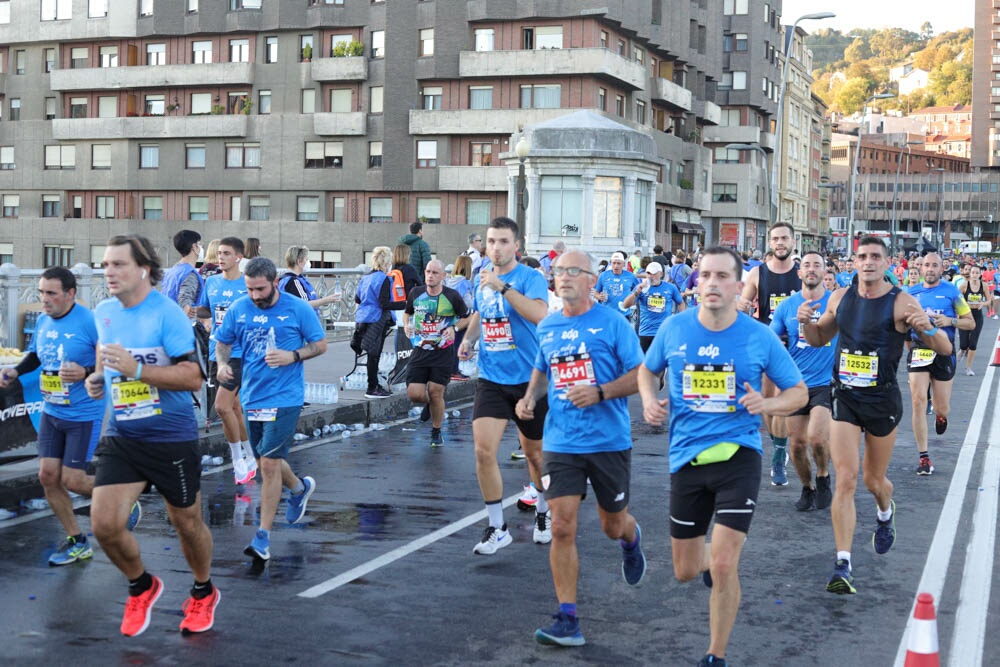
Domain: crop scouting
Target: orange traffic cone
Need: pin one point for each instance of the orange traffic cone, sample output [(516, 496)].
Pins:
[(922, 647), (996, 354)]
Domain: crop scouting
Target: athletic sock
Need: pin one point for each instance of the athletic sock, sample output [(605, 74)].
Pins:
[(884, 515), (628, 546), (924, 455), (541, 506), (568, 608), (779, 442), (495, 511), (140, 585), (299, 487), (202, 589), (845, 555), (236, 450)]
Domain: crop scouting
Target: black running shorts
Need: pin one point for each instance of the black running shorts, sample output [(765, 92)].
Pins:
[(876, 413), (498, 401), (819, 397), (941, 369), (609, 472), (173, 467), (728, 490)]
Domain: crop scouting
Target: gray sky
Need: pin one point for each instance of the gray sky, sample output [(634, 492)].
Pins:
[(944, 16)]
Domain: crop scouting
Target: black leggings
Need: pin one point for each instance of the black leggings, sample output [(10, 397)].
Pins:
[(969, 339)]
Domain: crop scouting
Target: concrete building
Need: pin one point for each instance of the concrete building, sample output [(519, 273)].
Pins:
[(985, 142), (908, 79)]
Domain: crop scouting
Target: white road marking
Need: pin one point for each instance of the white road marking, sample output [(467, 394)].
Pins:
[(400, 552)]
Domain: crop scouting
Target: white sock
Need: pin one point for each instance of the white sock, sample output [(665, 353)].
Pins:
[(884, 515), (541, 507), (495, 510), (236, 450), (844, 555), (247, 451)]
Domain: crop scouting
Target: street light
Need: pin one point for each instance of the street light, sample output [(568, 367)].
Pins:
[(854, 169), (895, 189), (521, 150), (767, 182), (780, 116)]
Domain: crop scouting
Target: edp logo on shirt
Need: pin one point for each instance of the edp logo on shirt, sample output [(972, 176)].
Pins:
[(710, 351)]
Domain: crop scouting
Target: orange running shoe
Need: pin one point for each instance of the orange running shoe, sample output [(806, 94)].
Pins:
[(199, 615), (139, 608)]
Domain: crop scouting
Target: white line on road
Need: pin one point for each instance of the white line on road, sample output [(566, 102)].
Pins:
[(939, 555), (396, 554)]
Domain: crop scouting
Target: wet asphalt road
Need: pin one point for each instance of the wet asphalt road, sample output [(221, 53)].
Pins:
[(443, 605)]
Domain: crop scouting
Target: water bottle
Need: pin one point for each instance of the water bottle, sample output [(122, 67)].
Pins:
[(332, 394), (317, 432), (60, 355), (338, 291), (272, 341)]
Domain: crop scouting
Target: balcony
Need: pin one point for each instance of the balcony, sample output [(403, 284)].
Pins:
[(146, 76), (669, 93), (479, 121), (352, 68), (552, 62), (475, 179), (708, 112), (340, 123), (731, 134), (150, 127)]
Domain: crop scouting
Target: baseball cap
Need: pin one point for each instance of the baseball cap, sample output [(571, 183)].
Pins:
[(654, 267), (617, 255)]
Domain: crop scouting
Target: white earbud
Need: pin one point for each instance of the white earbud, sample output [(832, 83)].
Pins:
[(144, 274)]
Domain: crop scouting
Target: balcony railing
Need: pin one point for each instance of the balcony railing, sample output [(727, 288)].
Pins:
[(476, 179), (479, 121), (552, 62), (348, 68), (340, 123), (151, 127), (151, 76)]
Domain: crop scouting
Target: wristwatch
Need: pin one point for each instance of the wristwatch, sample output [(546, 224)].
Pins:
[(954, 321), (506, 286), (298, 357)]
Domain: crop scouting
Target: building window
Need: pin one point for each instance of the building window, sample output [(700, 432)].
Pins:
[(156, 105), (307, 209), (194, 156), (640, 112), (152, 208), (156, 54), (60, 157), (340, 44), (201, 103), (50, 206), (429, 210), (270, 49), (426, 42), (725, 155), (375, 99), (11, 205), (100, 156), (481, 97), (305, 48), (263, 102), (4, 17), (378, 43), (642, 208), (57, 10), (15, 108), (427, 154), (58, 255), (146, 8), (260, 207), (548, 37), (724, 193), (243, 156), (324, 154), (477, 212), (481, 154), (49, 60), (97, 9), (105, 206), (432, 97), (484, 39), (237, 102), (338, 209), (7, 158), (730, 7), (235, 5), (20, 62), (541, 96), (239, 50), (638, 55), (562, 203), (602, 99), (197, 208), (341, 100), (620, 105), (50, 107), (374, 154), (235, 207), (308, 100), (79, 57), (109, 56), (741, 41), (201, 52), (78, 107), (607, 207), (149, 156), (380, 209), (192, 6)]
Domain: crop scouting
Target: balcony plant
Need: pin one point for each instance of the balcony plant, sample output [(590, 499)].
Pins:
[(685, 184), (307, 53), (218, 109), (345, 49)]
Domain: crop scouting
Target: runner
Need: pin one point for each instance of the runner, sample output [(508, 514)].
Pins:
[(975, 292), (221, 290), (431, 322), (511, 299), (769, 284), (946, 308), (830, 280), (809, 427), (615, 284), (147, 366), (276, 332), (657, 301), (586, 366), (63, 346), (873, 318), (715, 357), (847, 273)]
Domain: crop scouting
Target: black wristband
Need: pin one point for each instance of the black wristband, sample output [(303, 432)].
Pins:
[(28, 363), (298, 357), (506, 286), (600, 393)]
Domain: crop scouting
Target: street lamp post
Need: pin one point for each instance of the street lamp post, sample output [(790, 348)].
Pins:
[(521, 150), (854, 169), (895, 190)]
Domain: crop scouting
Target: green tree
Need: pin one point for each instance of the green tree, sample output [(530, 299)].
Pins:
[(926, 31), (857, 51), (852, 95)]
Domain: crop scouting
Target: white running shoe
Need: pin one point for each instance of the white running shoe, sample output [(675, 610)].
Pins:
[(543, 528), (240, 469), (529, 498), (969, 371), (493, 540)]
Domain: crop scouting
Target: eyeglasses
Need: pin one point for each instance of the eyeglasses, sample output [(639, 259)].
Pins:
[(571, 271)]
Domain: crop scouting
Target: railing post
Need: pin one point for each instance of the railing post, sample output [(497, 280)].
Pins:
[(10, 287)]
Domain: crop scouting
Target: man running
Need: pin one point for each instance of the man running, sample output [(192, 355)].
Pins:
[(147, 367), (947, 310), (615, 284), (511, 299), (586, 365), (277, 332), (432, 315), (63, 346), (873, 318), (809, 427), (221, 290), (657, 301), (769, 284), (715, 357)]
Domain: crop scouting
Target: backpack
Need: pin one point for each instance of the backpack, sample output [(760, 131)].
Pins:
[(397, 290)]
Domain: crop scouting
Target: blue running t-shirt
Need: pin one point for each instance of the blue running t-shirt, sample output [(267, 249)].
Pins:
[(72, 337), (154, 332), (294, 324), (587, 349), (656, 304), (508, 343), (706, 371), (616, 287), (816, 363), (218, 295)]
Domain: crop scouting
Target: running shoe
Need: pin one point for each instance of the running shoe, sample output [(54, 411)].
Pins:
[(71, 551), (885, 532), (778, 475), (565, 631), (634, 561), (543, 528), (995, 317), (459, 377), (970, 372), (199, 614), (824, 494), (712, 661), (528, 499), (240, 469), (940, 425), (842, 581), (260, 546), (925, 467), (706, 578), (134, 516), (378, 392), (437, 440), (493, 540), (251, 462), (139, 609), (425, 412), (517, 454), (807, 501), (297, 503)]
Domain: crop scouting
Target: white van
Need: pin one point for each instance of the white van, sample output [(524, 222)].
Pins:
[(975, 247)]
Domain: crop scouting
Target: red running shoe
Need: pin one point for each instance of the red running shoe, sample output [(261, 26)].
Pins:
[(139, 608), (199, 615)]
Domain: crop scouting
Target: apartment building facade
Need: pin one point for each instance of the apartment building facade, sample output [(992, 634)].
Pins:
[(985, 143)]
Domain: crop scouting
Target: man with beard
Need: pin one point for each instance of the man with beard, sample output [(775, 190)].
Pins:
[(769, 284), (873, 319), (946, 309), (809, 427), (277, 332)]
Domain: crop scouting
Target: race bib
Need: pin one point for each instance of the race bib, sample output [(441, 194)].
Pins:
[(571, 370), (802, 343), (776, 300), (497, 334), (974, 299), (709, 387), (657, 303), (262, 415), (429, 333), (921, 357), (53, 390), (858, 370), (134, 399), (220, 314)]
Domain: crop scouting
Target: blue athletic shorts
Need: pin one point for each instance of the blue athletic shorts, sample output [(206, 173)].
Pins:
[(73, 442), (274, 438)]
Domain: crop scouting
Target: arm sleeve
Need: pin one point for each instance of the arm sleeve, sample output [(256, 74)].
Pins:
[(187, 295), (29, 363)]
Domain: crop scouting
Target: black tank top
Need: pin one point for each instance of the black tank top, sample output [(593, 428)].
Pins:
[(773, 288), (867, 333), (981, 292)]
